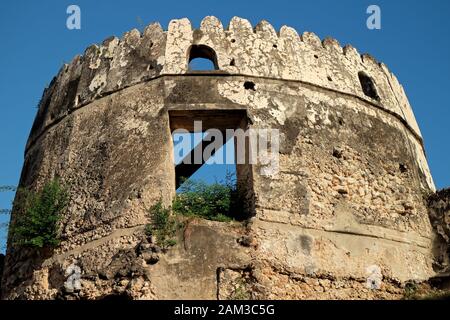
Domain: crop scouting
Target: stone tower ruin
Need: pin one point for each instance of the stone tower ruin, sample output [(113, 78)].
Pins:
[(348, 204)]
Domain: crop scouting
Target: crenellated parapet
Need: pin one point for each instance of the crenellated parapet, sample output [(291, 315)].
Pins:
[(239, 49), (340, 212), (112, 66)]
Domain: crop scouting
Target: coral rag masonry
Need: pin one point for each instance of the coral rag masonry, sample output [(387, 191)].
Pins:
[(345, 217)]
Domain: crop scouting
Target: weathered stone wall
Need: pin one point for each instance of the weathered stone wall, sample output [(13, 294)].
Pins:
[(240, 49), (350, 195), (439, 206)]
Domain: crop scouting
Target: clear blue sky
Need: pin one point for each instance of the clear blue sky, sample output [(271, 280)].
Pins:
[(413, 42)]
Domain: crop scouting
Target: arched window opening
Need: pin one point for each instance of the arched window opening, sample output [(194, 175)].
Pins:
[(368, 86), (202, 58)]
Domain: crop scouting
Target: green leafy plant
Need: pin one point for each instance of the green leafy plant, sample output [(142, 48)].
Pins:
[(216, 202), (410, 290), (163, 226), (415, 291), (38, 215), (240, 292)]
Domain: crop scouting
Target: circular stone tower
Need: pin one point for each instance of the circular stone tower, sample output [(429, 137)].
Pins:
[(344, 217)]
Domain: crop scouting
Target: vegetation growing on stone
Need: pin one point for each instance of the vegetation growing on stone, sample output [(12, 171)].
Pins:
[(424, 291), (240, 291), (38, 215), (163, 226), (216, 202), (195, 199)]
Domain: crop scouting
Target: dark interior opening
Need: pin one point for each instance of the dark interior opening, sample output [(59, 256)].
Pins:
[(368, 86), (202, 58), (249, 85)]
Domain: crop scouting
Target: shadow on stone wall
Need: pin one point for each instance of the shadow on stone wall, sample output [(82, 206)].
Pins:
[(439, 211)]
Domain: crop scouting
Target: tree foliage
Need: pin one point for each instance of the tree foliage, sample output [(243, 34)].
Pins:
[(218, 201), (163, 226), (38, 214)]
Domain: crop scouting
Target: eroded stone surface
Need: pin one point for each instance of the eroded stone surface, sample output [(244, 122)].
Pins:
[(351, 193), (439, 205)]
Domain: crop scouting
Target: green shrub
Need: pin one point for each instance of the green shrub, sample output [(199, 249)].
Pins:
[(38, 214), (163, 226), (413, 291), (240, 291), (216, 202)]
